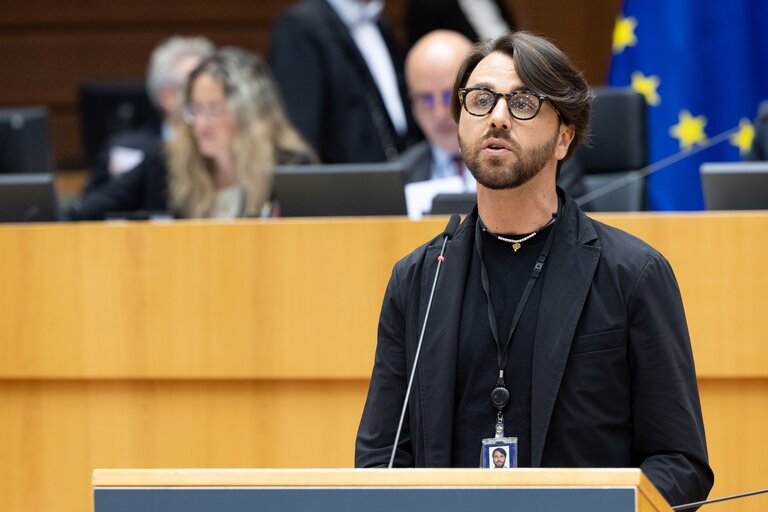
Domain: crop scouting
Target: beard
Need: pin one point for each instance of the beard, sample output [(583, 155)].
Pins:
[(493, 173)]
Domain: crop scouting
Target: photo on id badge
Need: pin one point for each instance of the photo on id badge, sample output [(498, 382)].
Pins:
[(500, 455)]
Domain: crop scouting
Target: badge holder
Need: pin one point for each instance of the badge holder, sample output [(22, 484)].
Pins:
[(499, 452)]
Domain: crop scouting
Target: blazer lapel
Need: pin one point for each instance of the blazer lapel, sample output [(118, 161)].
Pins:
[(436, 373), (571, 265)]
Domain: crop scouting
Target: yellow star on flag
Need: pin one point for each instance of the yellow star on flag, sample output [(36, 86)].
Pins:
[(744, 137), (647, 86), (624, 33), (689, 130)]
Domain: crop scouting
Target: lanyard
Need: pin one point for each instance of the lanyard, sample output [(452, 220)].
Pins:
[(500, 394)]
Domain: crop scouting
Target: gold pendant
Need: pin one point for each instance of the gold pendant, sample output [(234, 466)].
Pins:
[(516, 246)]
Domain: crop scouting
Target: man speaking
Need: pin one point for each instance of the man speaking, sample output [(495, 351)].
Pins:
[(547, 327)]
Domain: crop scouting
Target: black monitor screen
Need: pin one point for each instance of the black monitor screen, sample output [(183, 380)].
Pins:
[(340, 189), (28, 198), (109, 108), (25, 141)]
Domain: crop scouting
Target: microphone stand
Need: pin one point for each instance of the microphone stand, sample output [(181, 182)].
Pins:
[(450, 229), (717, 500)]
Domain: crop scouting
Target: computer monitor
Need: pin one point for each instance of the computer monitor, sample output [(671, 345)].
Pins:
[(735, 185), (111, 107), (446, 204), (25, 141), (28, 198), (340, 189)]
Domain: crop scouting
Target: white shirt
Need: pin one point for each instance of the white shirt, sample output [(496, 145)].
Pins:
[(485, 17), (230, 202), (360, 18)]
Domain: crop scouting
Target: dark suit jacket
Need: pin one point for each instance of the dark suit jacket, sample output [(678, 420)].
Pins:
[(142, 189), (417, 163), (423, 16), (329, 93), (613, 383), (147, 140)]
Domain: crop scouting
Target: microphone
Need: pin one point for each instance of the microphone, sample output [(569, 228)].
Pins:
[(717, 500), (646, 171), (450, 230)]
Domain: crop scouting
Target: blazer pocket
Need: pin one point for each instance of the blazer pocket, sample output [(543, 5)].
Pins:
[(597, 342)]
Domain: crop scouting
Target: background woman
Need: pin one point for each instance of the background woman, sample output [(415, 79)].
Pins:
[(230, 134)]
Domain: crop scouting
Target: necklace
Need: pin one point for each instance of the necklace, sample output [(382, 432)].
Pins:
[(517, 243)]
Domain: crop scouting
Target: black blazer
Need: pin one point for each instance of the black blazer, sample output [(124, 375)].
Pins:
[(613, 383), (142, 189), (147, 140), (417, 163), (329, 93)]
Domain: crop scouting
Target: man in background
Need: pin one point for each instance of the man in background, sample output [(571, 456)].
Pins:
[(341, 78), (430, 70), (169, 66), (435, 165)]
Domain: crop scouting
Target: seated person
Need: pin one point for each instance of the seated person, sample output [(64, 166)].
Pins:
[(430, 70), (167, 73), (230, 134), (434, 166)]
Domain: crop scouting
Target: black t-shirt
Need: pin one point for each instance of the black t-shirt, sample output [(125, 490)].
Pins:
[(477, 368)]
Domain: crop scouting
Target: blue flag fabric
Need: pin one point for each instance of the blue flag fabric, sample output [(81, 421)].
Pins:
[(703, 68)]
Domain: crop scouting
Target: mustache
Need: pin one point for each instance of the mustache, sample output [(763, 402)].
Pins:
[(498, 133)]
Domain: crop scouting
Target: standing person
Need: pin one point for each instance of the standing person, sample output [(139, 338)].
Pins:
[(547, 326), (337, 67), (169, 65), (231, 133), (475, 19)]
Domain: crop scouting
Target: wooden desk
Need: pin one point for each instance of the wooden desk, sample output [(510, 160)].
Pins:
[(209, 344), (377, 490)]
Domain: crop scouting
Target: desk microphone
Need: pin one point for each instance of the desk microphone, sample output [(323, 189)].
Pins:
[(718, 500), (450, 230), (646, 171)]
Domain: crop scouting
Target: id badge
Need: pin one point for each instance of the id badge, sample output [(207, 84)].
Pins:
[(499, 452)]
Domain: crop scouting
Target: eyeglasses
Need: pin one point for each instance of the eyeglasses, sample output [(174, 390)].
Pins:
[(191, 112), (522, 104), (428, 100)]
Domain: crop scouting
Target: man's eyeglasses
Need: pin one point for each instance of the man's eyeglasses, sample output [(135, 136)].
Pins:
[(428, 100), (522, 104), (191, 112)]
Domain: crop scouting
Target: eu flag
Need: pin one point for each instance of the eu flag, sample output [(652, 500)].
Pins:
[(702, 66)]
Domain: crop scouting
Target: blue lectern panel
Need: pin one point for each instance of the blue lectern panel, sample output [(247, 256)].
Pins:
[(249, 499)]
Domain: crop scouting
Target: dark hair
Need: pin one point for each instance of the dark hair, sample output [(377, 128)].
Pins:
[(545, 69), (501, 451)]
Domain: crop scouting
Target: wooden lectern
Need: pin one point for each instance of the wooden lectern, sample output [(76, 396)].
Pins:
[(375, 490)]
